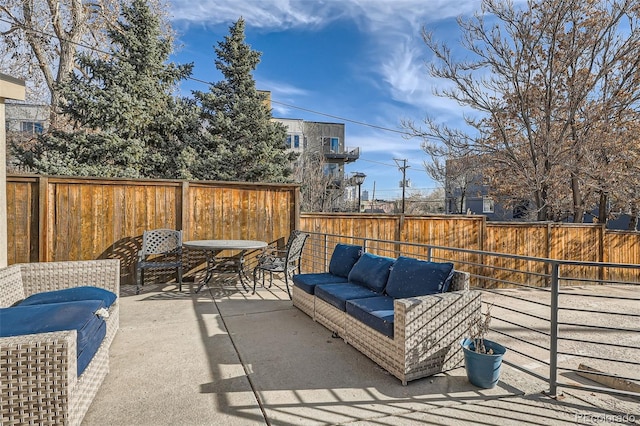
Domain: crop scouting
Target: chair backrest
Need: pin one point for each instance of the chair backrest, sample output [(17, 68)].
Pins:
[(295, 246), (161, 241)]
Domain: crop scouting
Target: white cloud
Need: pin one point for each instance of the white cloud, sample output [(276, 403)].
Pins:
[(373, 142), (393, 27), (371, 15)]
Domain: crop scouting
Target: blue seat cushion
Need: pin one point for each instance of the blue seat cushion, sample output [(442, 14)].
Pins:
[(91, 345), (376, 312), (343, 258), (371, 271), (308, 282), (79, 316), (338, 294), (71, 295), (413, 277)]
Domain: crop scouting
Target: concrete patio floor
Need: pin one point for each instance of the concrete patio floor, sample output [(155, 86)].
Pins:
[(227, 357)]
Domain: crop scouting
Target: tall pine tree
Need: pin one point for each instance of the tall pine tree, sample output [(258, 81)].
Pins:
[(127, 122), (242, 143)]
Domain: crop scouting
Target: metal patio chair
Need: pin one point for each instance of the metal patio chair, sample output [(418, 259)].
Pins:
[(161, 249), (284, 261)]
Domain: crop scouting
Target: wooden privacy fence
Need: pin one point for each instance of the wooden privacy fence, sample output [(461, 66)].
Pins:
[(547, 240), (65, 218)]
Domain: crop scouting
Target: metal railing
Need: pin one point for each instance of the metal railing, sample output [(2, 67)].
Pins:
[(577, 330)]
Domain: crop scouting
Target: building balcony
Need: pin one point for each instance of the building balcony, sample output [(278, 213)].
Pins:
[(341, 155)]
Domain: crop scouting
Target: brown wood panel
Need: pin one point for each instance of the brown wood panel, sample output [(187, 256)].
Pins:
[(529, 239), (22, 221), (577, 242), (622, 247)]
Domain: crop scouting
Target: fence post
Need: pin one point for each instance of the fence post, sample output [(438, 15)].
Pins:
[(43, 214), (553, 344), (182, 209)]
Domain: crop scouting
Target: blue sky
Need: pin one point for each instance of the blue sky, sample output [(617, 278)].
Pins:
[(360, 60)]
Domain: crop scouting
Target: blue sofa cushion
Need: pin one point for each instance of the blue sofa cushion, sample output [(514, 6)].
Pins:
[(308, 282), (376, 312), (343, 258), (371, 271), (413, 277), (71, 295), (338, 294), (79, 315), (91, 345)]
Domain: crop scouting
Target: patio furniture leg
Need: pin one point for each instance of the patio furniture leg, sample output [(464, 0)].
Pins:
[(286, 283), (210, 265), (241, 272), (139, 279)]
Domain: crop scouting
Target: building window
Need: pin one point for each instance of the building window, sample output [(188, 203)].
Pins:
[(296, 141), (288, 144), (335, 144), (331, 144), (330, 170), (32, 127), (487, 204)]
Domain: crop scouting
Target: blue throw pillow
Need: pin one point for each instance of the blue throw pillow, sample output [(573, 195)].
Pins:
[(71, 295), (371, 271), (343, 258), (412, 277)]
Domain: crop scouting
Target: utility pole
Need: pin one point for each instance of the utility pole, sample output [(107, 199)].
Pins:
[(402, 168)]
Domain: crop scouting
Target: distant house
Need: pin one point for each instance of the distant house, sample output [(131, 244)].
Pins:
[(467, 193), (324, 143), (321, 137), (26, 119)]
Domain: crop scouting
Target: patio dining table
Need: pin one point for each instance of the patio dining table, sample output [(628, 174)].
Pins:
[(213, 248)]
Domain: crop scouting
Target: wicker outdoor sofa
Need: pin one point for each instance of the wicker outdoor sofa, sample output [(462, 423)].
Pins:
[(39, 381), (410, 337)]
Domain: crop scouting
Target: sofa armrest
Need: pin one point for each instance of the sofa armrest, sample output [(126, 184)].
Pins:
[(435, 322), (460, 281), (38, 375), (48, 276)]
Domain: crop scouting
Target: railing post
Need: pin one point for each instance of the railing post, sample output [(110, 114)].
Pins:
[(429, 254), (553, 345), (324, 251)]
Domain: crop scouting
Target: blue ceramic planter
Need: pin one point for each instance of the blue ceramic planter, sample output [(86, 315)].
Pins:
[(483, 370)]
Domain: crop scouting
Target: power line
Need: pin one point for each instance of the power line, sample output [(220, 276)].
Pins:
[(361, 123), (197, 80), (376, 162)]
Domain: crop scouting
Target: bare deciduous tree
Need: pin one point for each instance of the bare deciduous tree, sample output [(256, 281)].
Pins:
[(555, 85), (39, 40)]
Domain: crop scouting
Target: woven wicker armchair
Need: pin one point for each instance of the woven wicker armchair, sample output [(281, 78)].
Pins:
[(39, 383)]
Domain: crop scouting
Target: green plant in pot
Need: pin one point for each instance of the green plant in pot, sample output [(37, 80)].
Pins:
[(482, 357)]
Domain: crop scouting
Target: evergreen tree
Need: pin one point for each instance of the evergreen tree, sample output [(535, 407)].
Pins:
[(126, 121), (242, 143)]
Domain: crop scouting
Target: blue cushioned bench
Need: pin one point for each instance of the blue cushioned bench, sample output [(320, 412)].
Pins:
[(406, 314)]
